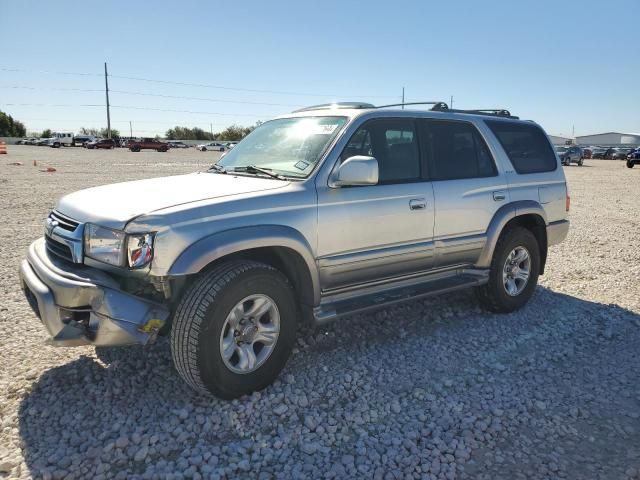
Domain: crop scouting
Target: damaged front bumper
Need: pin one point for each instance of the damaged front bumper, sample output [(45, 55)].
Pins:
[(80, 305)]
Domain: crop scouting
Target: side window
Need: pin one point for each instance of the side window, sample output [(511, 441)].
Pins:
[(526, 146), (455, 150), (393, 142)]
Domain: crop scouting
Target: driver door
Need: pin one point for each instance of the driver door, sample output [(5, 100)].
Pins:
[(375, 232)]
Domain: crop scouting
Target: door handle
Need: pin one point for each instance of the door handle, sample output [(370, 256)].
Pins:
[(499, 196), (417, 204)]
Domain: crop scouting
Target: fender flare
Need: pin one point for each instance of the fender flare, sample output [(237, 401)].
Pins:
[(504, 215), (204, 251)]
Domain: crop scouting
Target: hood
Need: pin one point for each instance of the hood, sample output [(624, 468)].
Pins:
[(116, 204)]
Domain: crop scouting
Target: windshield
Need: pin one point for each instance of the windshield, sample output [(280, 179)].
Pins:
[(288, 146)]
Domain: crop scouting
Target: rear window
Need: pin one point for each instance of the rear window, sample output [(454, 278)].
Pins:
[(526, 146)]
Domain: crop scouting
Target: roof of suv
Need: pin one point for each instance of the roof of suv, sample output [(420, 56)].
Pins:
[(356, 109)]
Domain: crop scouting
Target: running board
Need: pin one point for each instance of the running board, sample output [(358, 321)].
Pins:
[(334, 309)]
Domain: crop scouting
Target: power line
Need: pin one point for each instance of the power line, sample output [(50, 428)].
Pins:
[(131, 107), (199, 85)]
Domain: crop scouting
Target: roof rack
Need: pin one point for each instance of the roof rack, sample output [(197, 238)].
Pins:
[(437, 106), (495, 112), (328, 106)]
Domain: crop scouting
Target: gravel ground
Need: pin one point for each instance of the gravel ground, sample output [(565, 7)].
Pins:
[(430, 389)]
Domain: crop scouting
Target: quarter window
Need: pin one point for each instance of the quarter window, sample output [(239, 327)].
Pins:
[(455, 150), (526, 146), (393, 142)]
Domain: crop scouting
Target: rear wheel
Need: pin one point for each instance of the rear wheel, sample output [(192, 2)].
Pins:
[(581, 161), (234, 329), (513, 273)]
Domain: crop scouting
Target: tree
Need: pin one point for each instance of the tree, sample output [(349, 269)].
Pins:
[(105, 133), (231, 133), (10, 127), (46, 133)]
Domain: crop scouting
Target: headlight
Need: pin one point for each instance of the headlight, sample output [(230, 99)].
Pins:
[(108, 246)]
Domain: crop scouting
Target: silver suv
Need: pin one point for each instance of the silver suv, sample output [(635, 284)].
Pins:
[(318, 214)]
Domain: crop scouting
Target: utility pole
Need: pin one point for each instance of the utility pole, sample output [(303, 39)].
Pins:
[(130, 129), (402, 98), (573, 131), (106, 90), (211, 129), (451, 102)]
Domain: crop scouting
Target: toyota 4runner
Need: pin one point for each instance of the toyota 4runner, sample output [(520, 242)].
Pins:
[(328, 211)]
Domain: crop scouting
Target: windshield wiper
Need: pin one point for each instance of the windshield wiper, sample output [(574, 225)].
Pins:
[(218, 168), (254, 169)]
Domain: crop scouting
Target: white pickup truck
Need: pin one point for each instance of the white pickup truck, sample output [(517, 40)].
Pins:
[(60, 139)]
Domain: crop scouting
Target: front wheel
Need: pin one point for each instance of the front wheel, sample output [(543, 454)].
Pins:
[(630, 164), (513, 273), (234, 329)]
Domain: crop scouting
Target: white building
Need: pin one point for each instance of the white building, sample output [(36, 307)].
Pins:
[(610, 139), (556, 140)]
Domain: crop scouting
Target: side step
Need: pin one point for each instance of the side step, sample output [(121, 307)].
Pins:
[(332, 310)]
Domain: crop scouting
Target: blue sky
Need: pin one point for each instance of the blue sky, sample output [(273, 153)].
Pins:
[(563, 64)]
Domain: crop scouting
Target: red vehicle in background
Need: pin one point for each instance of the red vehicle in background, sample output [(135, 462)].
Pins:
[(147, 144)]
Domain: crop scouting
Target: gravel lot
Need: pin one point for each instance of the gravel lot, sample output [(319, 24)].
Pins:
[(430, 389)]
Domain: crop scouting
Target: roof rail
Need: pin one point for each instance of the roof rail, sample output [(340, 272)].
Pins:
[(328, 106), (437, 106), (495, 112)]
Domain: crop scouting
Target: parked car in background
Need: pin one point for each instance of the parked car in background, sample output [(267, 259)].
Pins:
[(147, 144), (633, 158), (569, 155), (176, 144), (80, 140), (586, 152), (621, 153), (319, 214), (27, 141), (106, 143), (230, 145), (598, 152), (215, 146), (41, 142)]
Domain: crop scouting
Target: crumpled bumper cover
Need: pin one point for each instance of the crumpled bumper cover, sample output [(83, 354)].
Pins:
[(80, 305)]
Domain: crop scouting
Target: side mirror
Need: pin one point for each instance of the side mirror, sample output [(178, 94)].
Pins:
[(357, 170)]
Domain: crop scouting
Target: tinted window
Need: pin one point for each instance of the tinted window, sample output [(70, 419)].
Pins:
[(455, 150), (526, 146), (393, 143)]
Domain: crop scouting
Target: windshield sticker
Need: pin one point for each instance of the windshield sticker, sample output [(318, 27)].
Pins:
[(324, 129), (301, 165)]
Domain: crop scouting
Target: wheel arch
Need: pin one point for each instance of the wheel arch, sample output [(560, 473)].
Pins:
[(281, 247), (526, 213)]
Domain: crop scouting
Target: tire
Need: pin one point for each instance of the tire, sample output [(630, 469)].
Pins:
[(630, 164), (200, 323), (493, 295), (581, 162), (204, 149)]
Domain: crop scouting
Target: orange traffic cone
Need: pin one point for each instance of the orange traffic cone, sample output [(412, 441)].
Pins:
[(3, 148), (35, 164)]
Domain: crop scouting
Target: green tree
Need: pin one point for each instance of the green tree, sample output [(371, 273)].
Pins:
[(10, 127), (46, 133), (105, 133), (90, 131)]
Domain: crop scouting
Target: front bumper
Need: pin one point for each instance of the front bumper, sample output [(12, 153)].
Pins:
[(557, 232), (80, 305)]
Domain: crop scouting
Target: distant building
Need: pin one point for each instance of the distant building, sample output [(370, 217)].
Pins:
[(612, 139), (560, 140)]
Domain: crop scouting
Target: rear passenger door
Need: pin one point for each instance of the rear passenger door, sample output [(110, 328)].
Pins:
[(467, 186)]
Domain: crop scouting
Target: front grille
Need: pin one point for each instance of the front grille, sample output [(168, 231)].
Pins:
[(64, 222), (59, 249)]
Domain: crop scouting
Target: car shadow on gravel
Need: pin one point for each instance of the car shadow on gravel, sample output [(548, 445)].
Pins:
[(127, 408)]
